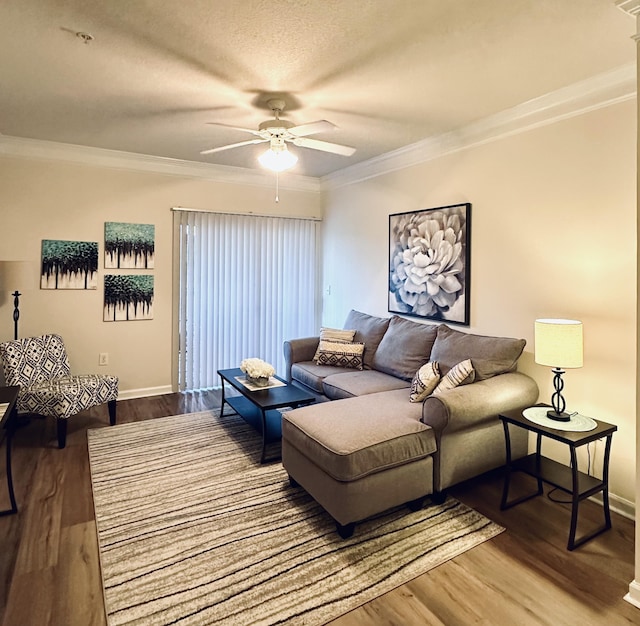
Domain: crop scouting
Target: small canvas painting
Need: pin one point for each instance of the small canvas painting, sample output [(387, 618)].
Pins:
[(69, 264), (129, 246), (128, 297)]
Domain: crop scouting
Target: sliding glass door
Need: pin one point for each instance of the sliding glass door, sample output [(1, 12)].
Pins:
[(245, 284)]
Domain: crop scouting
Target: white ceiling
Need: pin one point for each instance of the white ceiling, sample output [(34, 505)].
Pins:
[(388, 73)]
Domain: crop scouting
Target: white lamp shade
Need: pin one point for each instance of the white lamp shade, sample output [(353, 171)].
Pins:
[(16, 276), (558, 343), (278, 160)]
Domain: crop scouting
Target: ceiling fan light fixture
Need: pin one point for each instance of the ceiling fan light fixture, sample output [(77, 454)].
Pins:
[(278, 159)]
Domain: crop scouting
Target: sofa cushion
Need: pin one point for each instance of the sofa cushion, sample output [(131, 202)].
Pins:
[(353, 383), (460, 374), (424, 382), (334, 334), (490, 356), (340, 354), (369, 330), (311, 374), (356, 437), (405, 347)]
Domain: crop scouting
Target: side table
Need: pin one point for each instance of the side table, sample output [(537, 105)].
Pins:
[(568, 479), (8, 416)]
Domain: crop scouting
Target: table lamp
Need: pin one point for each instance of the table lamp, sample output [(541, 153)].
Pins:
[(558, 344), (16, 275)]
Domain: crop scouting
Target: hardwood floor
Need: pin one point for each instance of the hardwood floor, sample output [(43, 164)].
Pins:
[(49, 570)]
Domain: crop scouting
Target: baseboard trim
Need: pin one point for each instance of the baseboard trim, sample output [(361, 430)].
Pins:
[(145, 392), (619, 505), (633, 597)]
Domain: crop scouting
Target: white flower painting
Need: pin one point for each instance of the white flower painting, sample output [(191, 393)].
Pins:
[(429, 263)]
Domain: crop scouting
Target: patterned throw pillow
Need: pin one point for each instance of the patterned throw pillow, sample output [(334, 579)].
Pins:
[(341, 354), (460, 374), (424, 382), (334, 334)]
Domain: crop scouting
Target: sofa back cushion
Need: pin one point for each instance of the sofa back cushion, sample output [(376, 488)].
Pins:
[(490, 356), (369, 330), (405, 348)]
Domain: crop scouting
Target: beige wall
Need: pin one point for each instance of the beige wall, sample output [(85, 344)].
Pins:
[(54, 200), (553, 235)]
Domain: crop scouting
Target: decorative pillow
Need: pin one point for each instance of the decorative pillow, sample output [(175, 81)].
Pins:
[(341, 354), (424, 382), (334, 334), (369, 330), (490, 356), (461, 374), (405, 348)]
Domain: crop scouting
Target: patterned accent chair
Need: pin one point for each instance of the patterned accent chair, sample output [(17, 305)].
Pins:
[(41, 367)]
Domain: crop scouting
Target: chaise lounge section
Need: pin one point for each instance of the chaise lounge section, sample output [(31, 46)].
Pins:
[(371, 448)]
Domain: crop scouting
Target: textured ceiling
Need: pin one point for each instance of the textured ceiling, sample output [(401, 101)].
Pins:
[(388, 73)]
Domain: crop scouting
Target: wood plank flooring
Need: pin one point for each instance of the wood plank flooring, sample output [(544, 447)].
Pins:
[(49, 570)]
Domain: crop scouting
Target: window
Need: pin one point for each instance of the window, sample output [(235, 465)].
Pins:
[(246, 284)]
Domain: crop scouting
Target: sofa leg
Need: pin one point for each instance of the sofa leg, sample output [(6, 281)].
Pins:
[(62, 432), (345, 531), (293, 482), (438, 497), (416, 505), (111, 404)]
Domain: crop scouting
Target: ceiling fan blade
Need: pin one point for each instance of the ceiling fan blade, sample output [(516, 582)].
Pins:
[(325, 146), (233, 145), (321, 126), (246, 130)]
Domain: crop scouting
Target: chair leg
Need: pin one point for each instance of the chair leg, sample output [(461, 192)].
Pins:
[(112, 411), (62, 432)]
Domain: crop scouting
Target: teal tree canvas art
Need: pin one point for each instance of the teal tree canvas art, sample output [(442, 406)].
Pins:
[(129, 246), (128, 297), (69, 264)]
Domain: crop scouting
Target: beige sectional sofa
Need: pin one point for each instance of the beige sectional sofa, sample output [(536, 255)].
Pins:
[(371, 448)]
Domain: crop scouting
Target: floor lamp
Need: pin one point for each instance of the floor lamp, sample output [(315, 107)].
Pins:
[(15, 275)]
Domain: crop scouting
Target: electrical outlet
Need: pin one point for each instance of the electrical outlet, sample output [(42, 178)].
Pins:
[(103, 358)]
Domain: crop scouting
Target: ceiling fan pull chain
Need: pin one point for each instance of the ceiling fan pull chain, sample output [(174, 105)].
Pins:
[(277, 186)]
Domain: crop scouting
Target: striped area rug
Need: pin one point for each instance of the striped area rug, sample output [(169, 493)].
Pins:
[(192, 530)]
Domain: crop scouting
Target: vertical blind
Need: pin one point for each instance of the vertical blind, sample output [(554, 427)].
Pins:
[(246, 283)]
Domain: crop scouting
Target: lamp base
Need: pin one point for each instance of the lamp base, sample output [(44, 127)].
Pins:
[(559, 417)]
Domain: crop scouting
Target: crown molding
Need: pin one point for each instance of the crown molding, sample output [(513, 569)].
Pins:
[(632, 7), (602, 90), (101, 157)]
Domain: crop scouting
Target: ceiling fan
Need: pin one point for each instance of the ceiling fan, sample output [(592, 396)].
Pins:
[(277, 132)]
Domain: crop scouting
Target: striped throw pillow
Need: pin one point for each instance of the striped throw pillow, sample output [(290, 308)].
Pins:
[(460, 374), (424, 382), (341, 354)]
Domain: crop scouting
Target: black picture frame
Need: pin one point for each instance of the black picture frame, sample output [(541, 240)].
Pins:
[(430, 263)]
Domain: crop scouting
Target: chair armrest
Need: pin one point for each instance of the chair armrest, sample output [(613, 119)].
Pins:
[(470, 405), (297, 350)]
